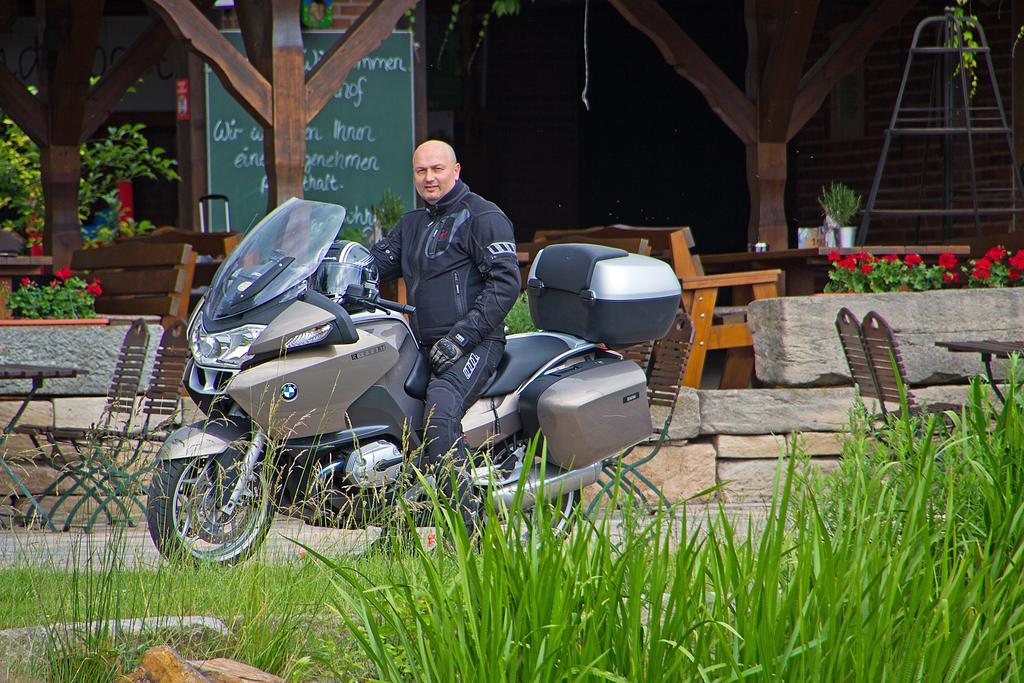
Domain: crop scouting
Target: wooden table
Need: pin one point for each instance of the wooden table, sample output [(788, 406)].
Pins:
[(37, 374), (17, 266), (989, 349), (805, 270)]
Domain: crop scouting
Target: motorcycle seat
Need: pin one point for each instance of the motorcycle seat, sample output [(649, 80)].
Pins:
[(523, 356)]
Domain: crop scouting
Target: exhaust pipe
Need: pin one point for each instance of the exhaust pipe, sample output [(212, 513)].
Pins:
[(553, 486)]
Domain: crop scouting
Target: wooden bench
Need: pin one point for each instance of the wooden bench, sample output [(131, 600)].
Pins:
[(715, 327), (211, 248), (139, 277)]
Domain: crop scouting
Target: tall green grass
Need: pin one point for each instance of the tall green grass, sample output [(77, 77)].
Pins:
[(903, 566)]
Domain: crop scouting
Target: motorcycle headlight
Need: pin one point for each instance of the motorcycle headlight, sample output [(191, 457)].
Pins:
[(227, 348)]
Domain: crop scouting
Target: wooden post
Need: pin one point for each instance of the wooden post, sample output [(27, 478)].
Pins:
[(191, 140), (69, 32), (60, 171), (766, 179), (285, 141), (777, 102)]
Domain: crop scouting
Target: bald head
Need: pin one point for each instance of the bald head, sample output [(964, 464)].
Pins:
[(435, 170)]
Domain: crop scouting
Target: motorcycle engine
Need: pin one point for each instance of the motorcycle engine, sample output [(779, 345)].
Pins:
[(375, 464)]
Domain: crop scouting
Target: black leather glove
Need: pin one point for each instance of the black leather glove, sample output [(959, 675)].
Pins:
[(443, 354)]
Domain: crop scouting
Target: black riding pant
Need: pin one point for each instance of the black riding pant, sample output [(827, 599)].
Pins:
[(449, 396)]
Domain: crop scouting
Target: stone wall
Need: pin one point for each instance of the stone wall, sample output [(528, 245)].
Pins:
[(796, 345), (93, 349)]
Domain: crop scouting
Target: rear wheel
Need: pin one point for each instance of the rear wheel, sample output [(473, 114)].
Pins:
[(192, 520)]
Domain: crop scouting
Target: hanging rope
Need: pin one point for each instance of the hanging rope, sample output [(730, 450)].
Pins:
[(586, 57)]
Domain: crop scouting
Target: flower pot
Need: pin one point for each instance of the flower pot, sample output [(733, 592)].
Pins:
[(847, 237)]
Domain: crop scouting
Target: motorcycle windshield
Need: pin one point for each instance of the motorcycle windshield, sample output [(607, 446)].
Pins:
[(275, 256)]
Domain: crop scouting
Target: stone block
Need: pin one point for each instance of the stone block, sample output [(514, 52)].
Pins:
[(685, 422), (19, 448), (90, 348), (759, 446), (36, 477), (774, 411), (795, 341), (817, 443), (679, 470), (37, 412), (753, 480), (85, 412)]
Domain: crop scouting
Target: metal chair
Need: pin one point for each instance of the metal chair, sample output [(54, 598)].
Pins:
[(668, 358)]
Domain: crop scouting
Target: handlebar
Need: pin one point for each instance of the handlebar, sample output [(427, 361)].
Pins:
[(393, 306), (357, 294)]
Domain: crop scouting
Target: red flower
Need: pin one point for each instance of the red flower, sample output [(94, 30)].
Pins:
[(950, 278), (25, 281), (983, 264), (1014, 274), (948, 261), (93, 288), (981, 273), (63, 274), (912, 260), (54, 283), (833, 256), (848, 263), (866, 268), (996, 253), (863, 256), (1017, 260), (890, 258)]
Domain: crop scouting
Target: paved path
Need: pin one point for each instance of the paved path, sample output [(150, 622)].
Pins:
[(63, 551)]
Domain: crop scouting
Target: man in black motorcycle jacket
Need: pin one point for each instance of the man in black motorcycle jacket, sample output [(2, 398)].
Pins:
[(458, 258)]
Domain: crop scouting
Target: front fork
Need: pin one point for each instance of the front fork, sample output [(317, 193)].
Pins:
[(248, 471)]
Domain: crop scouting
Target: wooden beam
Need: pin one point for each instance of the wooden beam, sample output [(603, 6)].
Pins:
[(285, 142), (845, 55), (239, 77), (144, 53), (70, 32), (23, 107), (783, 67), (690, 62), (255, 19), (371, 28)]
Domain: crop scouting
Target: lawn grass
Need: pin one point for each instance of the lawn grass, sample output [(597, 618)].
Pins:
[(903, 565)]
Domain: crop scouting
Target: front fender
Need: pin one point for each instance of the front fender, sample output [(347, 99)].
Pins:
[(202, 438)]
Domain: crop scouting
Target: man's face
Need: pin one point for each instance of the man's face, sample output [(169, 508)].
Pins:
[(434, 172)]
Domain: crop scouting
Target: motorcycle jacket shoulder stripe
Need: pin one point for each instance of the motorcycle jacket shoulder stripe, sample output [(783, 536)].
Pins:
[(459, 262)]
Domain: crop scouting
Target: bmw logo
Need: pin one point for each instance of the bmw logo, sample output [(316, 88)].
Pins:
[(289, 392)]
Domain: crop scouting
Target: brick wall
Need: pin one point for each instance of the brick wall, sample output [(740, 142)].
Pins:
[(817, 157)]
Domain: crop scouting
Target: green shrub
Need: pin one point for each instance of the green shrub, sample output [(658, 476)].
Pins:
[(518, 319)]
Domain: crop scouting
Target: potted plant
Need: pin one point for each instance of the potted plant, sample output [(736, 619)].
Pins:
[(65, 297), (839, 203), (108, 164)]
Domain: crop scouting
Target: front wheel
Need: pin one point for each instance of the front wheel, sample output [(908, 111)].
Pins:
[(191, 519)]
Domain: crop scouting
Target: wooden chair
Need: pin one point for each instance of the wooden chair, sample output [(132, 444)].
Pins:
[(141, 278), (718, 327), (851, 338)]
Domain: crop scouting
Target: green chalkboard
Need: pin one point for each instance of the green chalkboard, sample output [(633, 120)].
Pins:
[(357, 147)]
